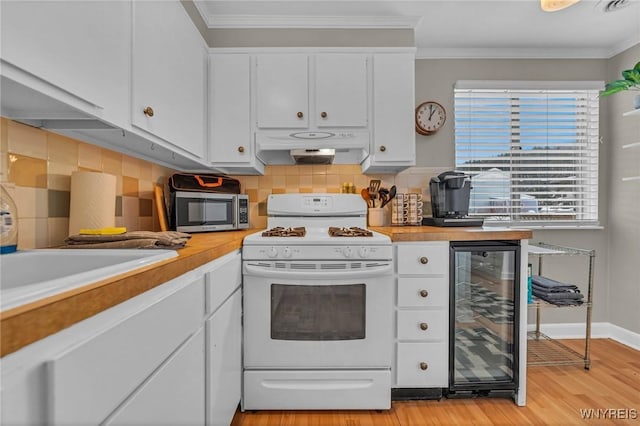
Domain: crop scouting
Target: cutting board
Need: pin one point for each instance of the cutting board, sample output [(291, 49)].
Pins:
[(160, 207)]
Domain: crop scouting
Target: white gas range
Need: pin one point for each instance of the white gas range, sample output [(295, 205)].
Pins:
[(318, 298)]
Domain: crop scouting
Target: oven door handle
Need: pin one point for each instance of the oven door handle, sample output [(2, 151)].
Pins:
[(267, 272)]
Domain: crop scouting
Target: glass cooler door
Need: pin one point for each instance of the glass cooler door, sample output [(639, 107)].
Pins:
[(484, 316)]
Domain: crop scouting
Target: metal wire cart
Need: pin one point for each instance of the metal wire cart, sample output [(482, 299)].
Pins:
[(542, 350)]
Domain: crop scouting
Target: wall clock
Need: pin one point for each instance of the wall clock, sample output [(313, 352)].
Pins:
[(430, 117)]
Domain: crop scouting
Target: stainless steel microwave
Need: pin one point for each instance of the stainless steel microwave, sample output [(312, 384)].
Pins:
[(205, 211)]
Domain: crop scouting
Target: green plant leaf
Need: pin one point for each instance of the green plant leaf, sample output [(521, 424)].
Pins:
[(615, 87), (632, 76)]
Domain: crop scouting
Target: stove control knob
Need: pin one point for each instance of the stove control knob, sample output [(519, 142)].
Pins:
[(347, 252), (286, 252), (272, 252), (364, 252)]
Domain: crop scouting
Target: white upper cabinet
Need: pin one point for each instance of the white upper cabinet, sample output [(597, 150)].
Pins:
[(230, 142), (282, 91), (341, 90), (302, 91), (393, 147), (75, 52), (169, 72)]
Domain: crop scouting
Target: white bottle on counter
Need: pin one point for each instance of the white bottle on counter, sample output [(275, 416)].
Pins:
[(8, 223)]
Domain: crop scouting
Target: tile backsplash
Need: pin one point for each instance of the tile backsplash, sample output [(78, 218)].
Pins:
[(38, 164), (326, 179)]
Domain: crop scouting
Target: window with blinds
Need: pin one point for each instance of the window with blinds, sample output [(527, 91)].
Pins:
[(532, 152)]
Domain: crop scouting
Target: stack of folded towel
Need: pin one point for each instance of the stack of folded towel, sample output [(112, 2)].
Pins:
[(556, 292), (136, 239)]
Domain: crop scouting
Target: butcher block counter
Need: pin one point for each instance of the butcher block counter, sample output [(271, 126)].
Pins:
[(435, 233), (33, 321), (28, 323)]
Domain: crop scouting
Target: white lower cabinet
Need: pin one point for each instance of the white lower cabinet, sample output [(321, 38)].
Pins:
[(173, 395), (422, 315), (154, 359), (224, 361)]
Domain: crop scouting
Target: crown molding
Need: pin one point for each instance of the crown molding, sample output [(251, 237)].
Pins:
[(511, 53), (305, 21), (623, 45)]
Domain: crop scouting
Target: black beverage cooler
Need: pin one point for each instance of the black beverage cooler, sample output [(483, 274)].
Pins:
[(484, 317)]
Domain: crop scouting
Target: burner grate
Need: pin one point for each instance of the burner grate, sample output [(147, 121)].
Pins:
[(279, 231), (354, 231)]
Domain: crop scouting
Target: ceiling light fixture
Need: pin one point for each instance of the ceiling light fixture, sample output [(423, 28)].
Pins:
[(555, 5)]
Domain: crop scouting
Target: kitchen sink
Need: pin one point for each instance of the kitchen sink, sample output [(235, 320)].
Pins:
[(29, 275)]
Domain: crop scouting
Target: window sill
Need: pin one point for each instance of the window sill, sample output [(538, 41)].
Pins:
[(545, 227)]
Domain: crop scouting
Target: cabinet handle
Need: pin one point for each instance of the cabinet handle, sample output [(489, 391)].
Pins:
[(424, 366), (424, 260), (424, 326), (323, 114), (241, 148), (424, 293), (300, 114), (148, 111), (383, 148)]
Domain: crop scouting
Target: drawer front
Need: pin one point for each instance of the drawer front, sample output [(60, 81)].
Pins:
[(90, 380), (422, 325), (422, 365), (423, 292), (222, 280), (423, 259)]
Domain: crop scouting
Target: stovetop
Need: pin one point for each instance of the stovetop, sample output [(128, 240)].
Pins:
[(318, 227)]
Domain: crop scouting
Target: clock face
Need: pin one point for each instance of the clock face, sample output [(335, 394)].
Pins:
[(430, 117)]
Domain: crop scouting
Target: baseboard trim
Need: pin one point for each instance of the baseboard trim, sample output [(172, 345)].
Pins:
[(599, 330)]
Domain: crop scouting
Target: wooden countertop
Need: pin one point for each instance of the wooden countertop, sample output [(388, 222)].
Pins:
[(436, 233), (28, 323), (33, 321)]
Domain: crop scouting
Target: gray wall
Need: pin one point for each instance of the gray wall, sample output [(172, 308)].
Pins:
[(434, 81), (624, 199)]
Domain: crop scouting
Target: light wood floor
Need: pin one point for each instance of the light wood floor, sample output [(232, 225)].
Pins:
[(555, 396)]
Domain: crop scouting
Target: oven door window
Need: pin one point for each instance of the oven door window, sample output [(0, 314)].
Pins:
[(199, 211), (318, 312)]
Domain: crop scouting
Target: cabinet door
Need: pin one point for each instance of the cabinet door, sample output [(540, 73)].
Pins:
[(423, 259), (393, 105), (82, 48), (173, 395), (89, 380), (229, 112), (341, 87), (224, 377), (423, 365), (169, 62), (282, 91)]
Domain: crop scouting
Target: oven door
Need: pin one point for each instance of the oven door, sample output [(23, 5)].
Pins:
[(318, 318)]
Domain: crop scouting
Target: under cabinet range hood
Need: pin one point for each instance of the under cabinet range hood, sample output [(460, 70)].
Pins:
[(312, 147)]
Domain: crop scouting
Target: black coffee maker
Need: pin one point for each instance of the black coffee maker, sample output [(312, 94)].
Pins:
[(450, 193)]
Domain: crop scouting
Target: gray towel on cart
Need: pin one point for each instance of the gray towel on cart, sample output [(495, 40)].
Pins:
[(551, 285)]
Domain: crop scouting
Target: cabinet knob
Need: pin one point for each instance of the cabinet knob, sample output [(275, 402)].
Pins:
[(424, 260), (323, 114), (148, 111), (241, 148), (300, 114), (424, 366), (424, 293), (383, 148), (424, 326)]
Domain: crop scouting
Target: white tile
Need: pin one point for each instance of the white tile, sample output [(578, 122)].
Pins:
[(58, 230)]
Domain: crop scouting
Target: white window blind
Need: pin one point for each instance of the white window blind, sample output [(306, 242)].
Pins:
[(532, 153)]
